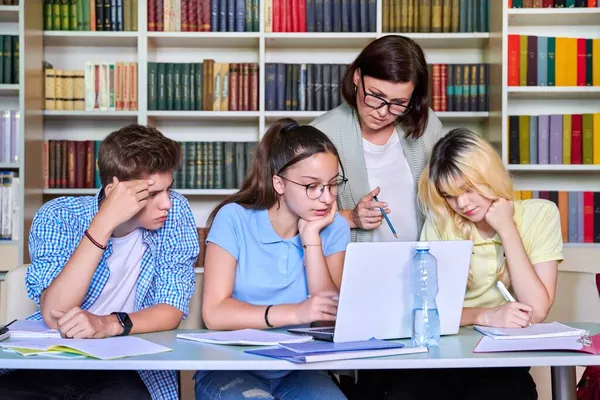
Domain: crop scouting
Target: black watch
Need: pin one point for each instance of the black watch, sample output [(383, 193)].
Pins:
[(125, 322)]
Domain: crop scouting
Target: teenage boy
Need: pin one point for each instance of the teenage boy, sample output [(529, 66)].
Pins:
[(117, 263)]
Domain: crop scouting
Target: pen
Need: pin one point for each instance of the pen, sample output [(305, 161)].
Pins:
[(387, 219), (504, 291)]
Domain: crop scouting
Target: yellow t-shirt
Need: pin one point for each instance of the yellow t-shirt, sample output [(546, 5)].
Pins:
[(538, 222)]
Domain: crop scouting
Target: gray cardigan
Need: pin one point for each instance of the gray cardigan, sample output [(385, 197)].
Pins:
[(342, 127)]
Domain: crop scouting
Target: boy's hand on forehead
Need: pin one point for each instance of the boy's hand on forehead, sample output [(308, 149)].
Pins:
[(124, 199)]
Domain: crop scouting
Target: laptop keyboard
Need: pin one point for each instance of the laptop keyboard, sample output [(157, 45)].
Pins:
[(323, 330)]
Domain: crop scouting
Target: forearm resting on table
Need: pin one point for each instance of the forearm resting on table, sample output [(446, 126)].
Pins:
[(159, 317), (231, 314)]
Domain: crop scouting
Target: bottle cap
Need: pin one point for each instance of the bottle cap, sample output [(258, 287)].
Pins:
[(422, 245)]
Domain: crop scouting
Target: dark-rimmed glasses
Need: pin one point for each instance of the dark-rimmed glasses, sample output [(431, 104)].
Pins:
[(316, 189), (377, 102)]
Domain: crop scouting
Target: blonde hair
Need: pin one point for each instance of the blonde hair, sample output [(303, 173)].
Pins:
[(462, 161)]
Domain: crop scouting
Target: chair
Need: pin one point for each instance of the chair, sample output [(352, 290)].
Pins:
[(18, 305)]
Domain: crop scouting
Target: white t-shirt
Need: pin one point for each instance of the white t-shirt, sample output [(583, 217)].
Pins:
[(124, 265), (388, 168)]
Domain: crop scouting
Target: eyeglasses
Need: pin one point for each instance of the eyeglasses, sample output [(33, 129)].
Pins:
[(316, 189), (377, 102)]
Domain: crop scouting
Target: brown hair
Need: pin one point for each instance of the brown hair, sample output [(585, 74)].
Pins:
[(285, 144), (136, 150), (398, 59)]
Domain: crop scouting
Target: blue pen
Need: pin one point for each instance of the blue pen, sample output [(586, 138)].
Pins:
[(387, 219)]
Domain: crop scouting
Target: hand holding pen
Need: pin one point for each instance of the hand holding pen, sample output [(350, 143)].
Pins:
[(367, 214)]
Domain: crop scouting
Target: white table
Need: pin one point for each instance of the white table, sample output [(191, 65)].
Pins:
[(454, 352)]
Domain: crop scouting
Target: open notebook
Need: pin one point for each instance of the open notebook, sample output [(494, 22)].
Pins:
[(543, 337)]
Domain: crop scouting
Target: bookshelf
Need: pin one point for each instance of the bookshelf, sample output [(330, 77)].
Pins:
[(24, 97)]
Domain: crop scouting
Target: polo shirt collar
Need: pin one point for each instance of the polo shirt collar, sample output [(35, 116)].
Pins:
[(268, 234)]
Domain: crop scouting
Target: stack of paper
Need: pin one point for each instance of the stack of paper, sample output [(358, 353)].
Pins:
[(104, 349), (328, 351), (32, 329), (245, 337), (545, 336)]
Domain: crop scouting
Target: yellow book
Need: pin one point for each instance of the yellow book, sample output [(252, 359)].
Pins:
[(79, 90), (587, 136), (560, 70), (217, 87), (50, 88), (224, 86), (518, 195), (596, 62), (571, 70), (596, 138), (269, 15), (523, 139), (59, 89), (526, 194), (523, 61), (566, 139)]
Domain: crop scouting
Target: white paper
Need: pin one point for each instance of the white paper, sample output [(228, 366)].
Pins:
[(104, 349), (245, 337), (32, 329), (535, 331)]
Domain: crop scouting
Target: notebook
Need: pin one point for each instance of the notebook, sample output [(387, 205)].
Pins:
[(103, 349), (535, 331), (245, 337), (327, 351), (32, 329), (582, 343)]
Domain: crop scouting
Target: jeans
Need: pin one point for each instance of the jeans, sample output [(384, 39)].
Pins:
[(72, 385), (297, 385)]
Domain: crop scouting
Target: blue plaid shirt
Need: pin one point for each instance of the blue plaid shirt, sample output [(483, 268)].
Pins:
[(166, 273)]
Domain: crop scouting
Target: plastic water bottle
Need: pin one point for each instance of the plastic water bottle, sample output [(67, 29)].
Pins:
[(425, 317)]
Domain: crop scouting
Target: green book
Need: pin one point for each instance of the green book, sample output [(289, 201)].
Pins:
[(170, 85), (65, 20), (152, 86), (177, 82), (524, 139), (57, 15), (48, 18), (192, 83), (74, 9), (218, 165), (7, 53), (185, 86), (161, 75), (199, 67), (523, 61), (551, 61), (85, 15), (15, 59), (588, 138)]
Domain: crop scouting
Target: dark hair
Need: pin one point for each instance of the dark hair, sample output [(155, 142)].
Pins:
[(136, 150), (398, 59), (285, 144)]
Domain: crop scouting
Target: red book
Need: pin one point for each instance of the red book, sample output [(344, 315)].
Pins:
[(588, 217), (576, 139), (302, 13), (548, 3), (580, 62), (592, 3), (437, 90), (193, 15), (277, 15), (151, 15), (514, 49), (160, 15), (443, 87), (295, 16), (234, 87), (185, 10), (204, 15)]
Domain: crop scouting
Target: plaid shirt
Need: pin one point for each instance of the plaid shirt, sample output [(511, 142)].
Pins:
[(166, 273)]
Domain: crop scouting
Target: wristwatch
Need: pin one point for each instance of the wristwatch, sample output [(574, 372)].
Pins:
[(125, 322)]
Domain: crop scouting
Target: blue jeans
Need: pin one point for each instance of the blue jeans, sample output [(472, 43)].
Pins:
[(297, 385)]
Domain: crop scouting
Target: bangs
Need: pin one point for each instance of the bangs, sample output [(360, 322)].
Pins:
[(453, 184)]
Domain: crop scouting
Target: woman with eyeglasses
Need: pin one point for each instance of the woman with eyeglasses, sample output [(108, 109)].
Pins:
[(384, 132), (274, 257)]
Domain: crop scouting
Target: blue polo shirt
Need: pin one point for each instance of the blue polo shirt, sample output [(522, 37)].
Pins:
[(270, 270)]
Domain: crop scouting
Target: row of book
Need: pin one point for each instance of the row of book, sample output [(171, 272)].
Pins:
[(71, 164), (554, 139), (203, 15), (9, 59), (459, 87), (91, 15), (208, 86), (552, 3), (553, 61), (303, 87), (579, 213), (9, 205), (98, 87), (9, 2), (10, 136), (436, 15), (320, 16), (214, 165)]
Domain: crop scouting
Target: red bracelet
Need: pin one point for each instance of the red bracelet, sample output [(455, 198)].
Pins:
[(98, 245)]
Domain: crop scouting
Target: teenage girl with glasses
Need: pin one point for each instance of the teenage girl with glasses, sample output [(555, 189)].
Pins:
[(274, 257)]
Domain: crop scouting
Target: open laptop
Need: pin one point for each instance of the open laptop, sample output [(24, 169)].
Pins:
[(376, 297)]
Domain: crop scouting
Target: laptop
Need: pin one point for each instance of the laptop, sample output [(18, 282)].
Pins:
[(376, 298)]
